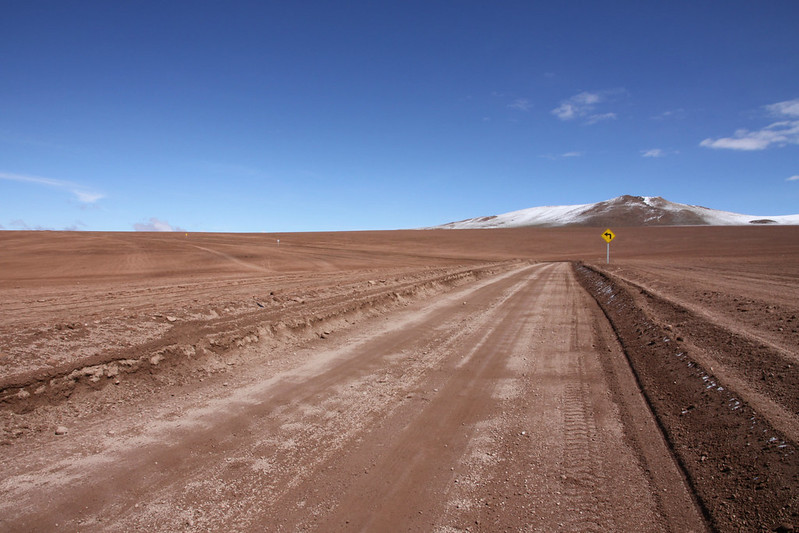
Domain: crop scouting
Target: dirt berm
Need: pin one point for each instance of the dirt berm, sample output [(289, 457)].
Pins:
[(742, 469), (192, 348)]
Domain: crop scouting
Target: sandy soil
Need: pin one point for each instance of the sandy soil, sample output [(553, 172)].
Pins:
[(480, 380)]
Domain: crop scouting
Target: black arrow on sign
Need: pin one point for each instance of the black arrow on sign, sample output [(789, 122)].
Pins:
[(607, 234)]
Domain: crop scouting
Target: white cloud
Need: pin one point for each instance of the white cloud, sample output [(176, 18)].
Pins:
[(572, 154), (522, 104), (583, 105), (566, 111), (793, 178), (155, 224), (578, 105), (586, 98), (654, 152), (777, 134), (83, 194), (789, 108)]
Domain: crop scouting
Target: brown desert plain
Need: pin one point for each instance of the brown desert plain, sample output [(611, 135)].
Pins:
[(430, 380)]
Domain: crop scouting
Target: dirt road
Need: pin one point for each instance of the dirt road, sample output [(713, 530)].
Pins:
[(504, 405)]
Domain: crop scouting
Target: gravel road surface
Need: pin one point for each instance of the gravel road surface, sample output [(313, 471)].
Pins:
[(504, 405)]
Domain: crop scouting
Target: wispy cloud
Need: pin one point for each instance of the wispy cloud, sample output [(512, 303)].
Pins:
[(793, 178), (522, 104), (88, 197), (577, 106), (227, 168), (671, 114), (155, 224), (583, 106), (19, 224), (654, 152), (77, 226), (83, 194), (777, 134), (789, 108), (22, 225), (593, 119), (564, 155)]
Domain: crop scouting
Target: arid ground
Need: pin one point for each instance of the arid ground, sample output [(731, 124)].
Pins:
[(471, 380)]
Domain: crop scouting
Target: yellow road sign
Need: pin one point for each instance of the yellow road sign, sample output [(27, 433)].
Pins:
[(608, 236)]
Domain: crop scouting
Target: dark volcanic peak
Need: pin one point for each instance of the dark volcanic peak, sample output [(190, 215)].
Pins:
[(621, 211), (641, 211)]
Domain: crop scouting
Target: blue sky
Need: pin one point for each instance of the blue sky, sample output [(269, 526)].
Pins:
[(305, 116)]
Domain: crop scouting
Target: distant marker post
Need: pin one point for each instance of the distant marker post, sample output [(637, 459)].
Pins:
[(608, 236)]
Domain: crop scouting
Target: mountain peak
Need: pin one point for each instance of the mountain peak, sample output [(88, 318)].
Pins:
[(626, 210)]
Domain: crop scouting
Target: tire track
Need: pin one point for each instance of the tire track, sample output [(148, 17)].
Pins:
[(584, 480)]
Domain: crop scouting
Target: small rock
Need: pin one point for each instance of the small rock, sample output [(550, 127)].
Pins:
[(171, 319), (61, 430), (784, 528)]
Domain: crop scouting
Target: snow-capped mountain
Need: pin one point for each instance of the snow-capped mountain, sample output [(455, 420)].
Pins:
[(622, 211)]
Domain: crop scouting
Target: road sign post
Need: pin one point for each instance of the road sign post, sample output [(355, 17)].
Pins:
[(608, 236)]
